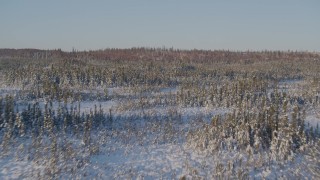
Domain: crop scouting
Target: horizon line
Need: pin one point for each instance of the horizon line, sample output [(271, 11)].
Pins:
[(162, 48)]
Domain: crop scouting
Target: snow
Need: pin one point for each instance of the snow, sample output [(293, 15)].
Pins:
[(313, 120), (291, 85), (86, 106), (18, 169), (290, 82), (8, 90), (125, 154), (147, 150), (173, 90), (313, 117), (148, 162)]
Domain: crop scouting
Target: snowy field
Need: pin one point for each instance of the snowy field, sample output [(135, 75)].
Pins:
[(144, 147), (145, 152), (200, 118)]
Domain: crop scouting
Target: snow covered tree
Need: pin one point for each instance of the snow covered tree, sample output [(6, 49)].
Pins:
[(20, 125)]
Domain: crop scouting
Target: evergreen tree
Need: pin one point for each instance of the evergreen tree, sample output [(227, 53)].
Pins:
[(20, 125), (1, 112)]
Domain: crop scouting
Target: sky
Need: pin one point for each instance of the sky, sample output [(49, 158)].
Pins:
[(183, 24)]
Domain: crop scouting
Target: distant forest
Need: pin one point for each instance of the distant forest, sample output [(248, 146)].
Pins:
[(161, 54)]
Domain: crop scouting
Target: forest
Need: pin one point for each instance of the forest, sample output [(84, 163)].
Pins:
[(159, 113)]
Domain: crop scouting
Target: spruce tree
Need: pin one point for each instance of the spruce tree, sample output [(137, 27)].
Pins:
[(20, 125)]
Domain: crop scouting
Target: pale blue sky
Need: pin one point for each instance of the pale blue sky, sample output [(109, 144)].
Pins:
[(185, 24)]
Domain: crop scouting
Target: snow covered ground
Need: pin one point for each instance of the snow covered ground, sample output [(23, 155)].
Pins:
[(146, 152), (144, 147), (145, 155), (313, 120)]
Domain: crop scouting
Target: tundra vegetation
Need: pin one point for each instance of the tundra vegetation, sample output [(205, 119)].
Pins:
[(159, 113)]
